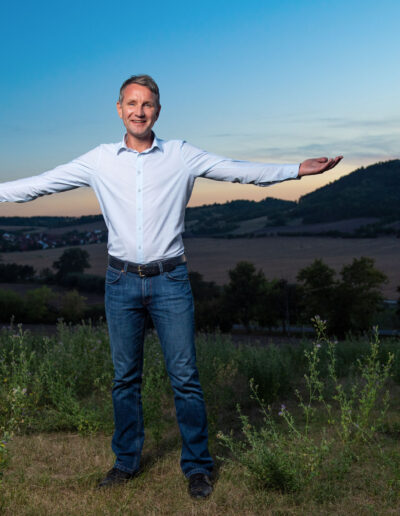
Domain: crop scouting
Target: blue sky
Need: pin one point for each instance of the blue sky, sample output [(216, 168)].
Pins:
[(275, 81)]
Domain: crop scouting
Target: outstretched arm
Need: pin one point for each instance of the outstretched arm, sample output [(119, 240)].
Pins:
[(200, 163), (204, 164), (72, 175), (317, 165)]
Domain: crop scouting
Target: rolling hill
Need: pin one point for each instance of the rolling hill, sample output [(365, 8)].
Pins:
[(362, 203), (373, 191)]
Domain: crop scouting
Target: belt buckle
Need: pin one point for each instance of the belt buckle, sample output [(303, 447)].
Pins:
[(141, 274)]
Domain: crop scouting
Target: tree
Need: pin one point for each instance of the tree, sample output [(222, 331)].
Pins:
[(13, 272), (318, 285), (358, 296), (209, 313), (74, 259), (47, 276), (284, 303), (348, 304), (244, 293), (203, 290), (270, 306)]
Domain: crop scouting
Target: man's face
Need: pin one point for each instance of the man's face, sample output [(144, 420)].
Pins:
[(138, 110)]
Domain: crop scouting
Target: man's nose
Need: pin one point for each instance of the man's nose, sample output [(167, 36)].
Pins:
[(139, 111)]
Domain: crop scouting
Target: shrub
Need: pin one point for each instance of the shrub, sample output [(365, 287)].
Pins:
[(12, 306), (84, 282), (40, 305), (289, 458), (73, 306)]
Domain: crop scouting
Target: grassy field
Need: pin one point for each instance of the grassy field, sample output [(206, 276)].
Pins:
[(57, 474), (325, 441), (278, 257)]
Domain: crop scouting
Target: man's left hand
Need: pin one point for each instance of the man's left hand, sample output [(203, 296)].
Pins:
[(317, 165)]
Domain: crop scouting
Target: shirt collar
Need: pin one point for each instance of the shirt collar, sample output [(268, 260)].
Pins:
[(157, 144)]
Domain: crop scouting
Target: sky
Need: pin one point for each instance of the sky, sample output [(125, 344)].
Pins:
[(272, 81)]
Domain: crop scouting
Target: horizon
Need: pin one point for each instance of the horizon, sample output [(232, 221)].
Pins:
[(210, 203), (278, 82)]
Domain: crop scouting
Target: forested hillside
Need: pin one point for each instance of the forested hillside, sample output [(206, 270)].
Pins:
[(223, 218), (367, 192)]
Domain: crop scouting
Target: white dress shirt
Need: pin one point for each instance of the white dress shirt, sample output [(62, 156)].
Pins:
[(143, 195)]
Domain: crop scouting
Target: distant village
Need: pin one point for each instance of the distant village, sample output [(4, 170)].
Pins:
[(22, 241)]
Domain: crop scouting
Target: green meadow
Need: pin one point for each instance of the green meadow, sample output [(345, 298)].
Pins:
[(304, 427)]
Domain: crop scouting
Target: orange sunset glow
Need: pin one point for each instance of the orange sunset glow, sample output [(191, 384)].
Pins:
[(83, 201)]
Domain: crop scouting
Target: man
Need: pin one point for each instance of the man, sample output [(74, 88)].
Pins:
[(143, 185)]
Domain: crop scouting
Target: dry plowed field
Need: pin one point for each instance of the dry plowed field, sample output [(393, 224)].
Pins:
[(278, 257)]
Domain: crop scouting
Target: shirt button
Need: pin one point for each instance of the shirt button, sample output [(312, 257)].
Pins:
[(139, 190), (138, 172)]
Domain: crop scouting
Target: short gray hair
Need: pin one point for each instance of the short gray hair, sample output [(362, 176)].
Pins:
[(143, 80)]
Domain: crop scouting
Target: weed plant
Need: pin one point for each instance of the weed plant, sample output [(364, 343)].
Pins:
[(4, 456), (288, 455)]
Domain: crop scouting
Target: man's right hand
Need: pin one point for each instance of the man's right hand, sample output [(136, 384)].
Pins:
[(314, 166)]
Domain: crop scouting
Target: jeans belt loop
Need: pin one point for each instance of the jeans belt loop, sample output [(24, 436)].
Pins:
[(160, 266)]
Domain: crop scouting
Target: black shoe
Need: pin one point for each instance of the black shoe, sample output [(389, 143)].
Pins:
[(200, 486), (115, 476)]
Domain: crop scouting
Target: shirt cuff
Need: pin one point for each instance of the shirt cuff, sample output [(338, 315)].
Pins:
[(296, 169)]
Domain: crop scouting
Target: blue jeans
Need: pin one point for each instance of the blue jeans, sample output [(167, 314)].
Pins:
[(168, 299)]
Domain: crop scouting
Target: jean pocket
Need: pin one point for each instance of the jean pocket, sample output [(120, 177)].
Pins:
[(113, 275), (180, 273)]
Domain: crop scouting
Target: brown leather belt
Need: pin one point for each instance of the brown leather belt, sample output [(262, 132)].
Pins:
[(147, 269)]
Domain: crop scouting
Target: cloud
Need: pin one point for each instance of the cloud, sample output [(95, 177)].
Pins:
[(377, 123), (358, 140), (306, 119), (370, 147)]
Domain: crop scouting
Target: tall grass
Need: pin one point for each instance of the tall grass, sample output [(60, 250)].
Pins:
[(64, 382)]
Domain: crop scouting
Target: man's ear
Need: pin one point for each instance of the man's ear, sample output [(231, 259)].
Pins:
[(119, 109), (158, 112)]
